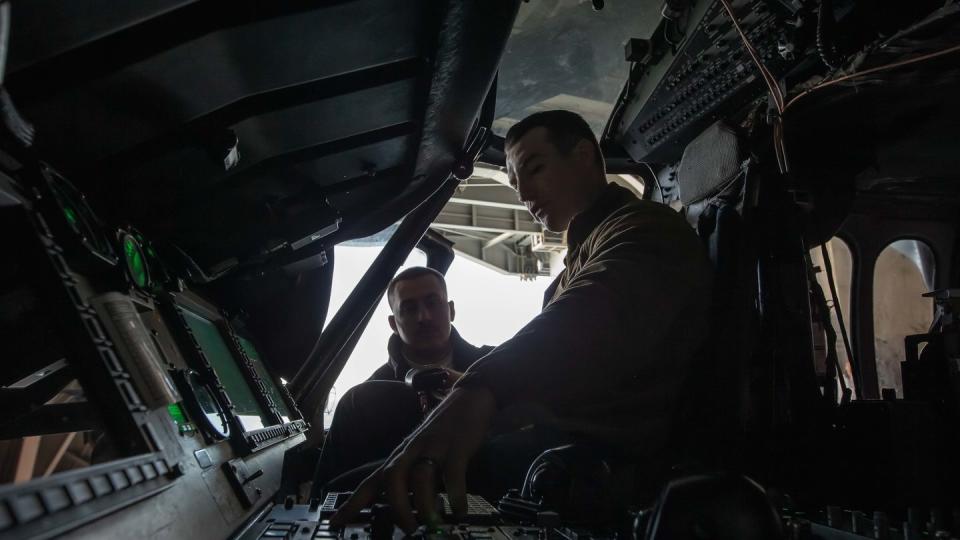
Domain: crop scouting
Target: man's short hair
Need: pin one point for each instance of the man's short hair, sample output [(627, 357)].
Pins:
[(413, 273), (564, 130)]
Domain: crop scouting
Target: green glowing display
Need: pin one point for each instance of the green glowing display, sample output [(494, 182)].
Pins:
[(135, 263), (71, 216), (177, 414)]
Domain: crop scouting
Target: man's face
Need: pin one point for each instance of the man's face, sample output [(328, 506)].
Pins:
[(554, 187), (421, 313)]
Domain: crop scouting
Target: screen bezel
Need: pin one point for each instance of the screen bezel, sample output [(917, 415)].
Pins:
[(245, 441), (238, 331)]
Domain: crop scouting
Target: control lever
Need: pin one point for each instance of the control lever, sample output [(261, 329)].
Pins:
[(573, 482), (711, 506), (426, 382)]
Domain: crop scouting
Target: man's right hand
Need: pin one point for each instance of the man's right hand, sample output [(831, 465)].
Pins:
[(439, 449)]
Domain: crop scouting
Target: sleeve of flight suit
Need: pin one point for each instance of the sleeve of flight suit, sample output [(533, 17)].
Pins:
[(648, 270)]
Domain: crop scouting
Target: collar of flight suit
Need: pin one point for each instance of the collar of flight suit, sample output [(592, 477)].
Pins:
[(612, 198), (462, 354), (584, 223)]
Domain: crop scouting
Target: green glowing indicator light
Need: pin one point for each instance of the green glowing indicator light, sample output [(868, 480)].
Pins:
[(135, 262), (177, 414), (183, 425), (71, 216)]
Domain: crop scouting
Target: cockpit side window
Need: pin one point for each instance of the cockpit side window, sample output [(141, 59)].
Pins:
[(903, 271), (841, 258)]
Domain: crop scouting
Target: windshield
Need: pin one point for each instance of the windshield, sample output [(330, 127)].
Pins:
[(564, 55)]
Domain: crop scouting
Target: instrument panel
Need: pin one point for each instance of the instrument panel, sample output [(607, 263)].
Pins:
[(482, 522), (141, 367)]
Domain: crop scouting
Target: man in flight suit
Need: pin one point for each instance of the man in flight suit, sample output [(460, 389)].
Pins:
[(374, 416), (617, 340)]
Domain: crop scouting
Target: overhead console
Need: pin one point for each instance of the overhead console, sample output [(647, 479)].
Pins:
[(696, 68), (710, 76)]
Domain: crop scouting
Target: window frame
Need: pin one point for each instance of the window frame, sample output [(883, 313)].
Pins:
[(888, 244), (868, 232)]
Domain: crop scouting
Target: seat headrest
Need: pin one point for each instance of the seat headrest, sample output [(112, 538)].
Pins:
[(709, 162)]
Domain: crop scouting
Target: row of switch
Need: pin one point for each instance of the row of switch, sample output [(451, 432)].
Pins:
[(702, 84), (710, 97), (706, 68), (304, 530)]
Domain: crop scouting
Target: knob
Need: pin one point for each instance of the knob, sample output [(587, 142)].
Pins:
[(938, 521), (835, 516), (858, 522), (881, 526), (381, 522)]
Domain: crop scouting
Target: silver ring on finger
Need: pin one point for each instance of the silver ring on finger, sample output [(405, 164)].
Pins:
[(423, 460)]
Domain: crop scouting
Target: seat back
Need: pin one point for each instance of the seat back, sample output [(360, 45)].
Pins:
[(712, 179)]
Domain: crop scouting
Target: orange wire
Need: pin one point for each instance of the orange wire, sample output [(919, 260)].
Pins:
[(767, 76), (901, 63), (777, 95)]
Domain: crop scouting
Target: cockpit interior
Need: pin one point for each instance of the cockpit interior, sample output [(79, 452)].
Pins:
[(176, 176)]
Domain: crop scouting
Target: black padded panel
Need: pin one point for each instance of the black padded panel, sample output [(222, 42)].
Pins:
[(46, 28), (191, 172), (365, 105), (327, 120), (200, 76), (709, 162), (472, 39), (342, 166)]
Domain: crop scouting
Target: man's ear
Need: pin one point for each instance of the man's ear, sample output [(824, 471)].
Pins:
[(453, 311), (393, 323)]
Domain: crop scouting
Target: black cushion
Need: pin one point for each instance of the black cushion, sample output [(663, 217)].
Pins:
[(709, 163)]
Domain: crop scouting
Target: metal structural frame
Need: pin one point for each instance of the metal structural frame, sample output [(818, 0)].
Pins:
[(311, 383), (48, 507)]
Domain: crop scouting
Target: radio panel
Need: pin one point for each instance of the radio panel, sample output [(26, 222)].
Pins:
[(710, 76)]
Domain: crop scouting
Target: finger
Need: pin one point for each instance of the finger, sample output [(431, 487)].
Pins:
[(398, 496), (455, 483), (364, 495), (464, 446), (423, 482)]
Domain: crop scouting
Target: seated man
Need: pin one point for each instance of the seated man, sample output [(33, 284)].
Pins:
[(610, 354), (374, 416)]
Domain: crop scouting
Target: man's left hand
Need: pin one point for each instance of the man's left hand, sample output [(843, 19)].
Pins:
[(439, 449)]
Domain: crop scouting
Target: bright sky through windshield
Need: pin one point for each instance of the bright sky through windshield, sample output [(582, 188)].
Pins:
[(490, 306)]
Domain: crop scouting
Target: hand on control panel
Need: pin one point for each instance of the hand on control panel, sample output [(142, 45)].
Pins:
[(439, 450)]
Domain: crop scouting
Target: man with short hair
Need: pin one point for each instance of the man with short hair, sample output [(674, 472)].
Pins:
[(609, 355), (423, 336), (374, 416)]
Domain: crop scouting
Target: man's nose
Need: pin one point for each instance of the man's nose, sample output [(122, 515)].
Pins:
[(423, 314)]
